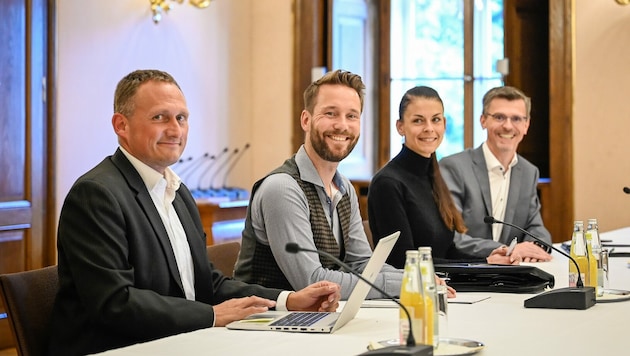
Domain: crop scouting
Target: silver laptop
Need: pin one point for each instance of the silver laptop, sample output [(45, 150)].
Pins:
[(323, 322)]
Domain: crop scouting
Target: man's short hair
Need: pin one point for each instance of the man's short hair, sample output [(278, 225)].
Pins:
[(508, 93), (339, 76), (128, 86)]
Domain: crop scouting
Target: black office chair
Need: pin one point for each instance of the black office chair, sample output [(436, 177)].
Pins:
[(28, 298), (223, 256)]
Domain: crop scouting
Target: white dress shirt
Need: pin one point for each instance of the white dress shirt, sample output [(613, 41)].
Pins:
[(162, 189), (499, 187)]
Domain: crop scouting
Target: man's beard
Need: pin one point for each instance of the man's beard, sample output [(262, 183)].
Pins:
[(322, 149)]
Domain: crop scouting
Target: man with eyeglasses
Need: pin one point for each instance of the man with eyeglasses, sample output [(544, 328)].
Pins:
[(493, 180)]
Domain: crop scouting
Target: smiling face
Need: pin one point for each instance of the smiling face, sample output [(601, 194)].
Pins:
[(504, 137), (157, 129), (423, 125), (333, 128)]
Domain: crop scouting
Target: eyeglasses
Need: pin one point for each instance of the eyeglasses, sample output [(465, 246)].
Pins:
[(502, 118)]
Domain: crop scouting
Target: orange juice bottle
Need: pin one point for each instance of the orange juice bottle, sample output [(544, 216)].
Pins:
[(427, 272), (580, 255), (412, 297), (594, 246)]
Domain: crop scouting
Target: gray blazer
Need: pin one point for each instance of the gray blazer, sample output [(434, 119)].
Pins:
[(466, 175)]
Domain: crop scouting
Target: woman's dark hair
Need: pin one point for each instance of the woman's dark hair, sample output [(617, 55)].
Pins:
[(442, 196)]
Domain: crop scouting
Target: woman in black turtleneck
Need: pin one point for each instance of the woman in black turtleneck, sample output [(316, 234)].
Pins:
[(409, 194)]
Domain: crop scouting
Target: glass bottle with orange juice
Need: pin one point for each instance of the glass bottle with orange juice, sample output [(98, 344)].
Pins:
[(412, 297)]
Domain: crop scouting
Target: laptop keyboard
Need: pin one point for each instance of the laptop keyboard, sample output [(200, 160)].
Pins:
[(300, 319)]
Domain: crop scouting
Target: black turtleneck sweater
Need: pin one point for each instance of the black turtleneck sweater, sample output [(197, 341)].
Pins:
[(400, 197)]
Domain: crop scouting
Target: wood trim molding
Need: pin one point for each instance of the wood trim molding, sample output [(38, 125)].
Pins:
[(50, 228), (309, 51), (383, 124), (469, 73), (561, 70)]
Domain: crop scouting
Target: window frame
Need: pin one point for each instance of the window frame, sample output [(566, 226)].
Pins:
[(311, 48)]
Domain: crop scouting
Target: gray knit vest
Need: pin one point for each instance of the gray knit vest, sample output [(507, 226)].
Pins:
[(265, 270)]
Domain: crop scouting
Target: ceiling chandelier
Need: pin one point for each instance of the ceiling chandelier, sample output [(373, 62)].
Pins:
[(158, 7)]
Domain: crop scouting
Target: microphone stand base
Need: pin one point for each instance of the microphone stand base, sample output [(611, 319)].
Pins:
[(564, 298), (418, 350)]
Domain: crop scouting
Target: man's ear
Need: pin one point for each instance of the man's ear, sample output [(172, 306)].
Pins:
[(482, 120), (119, 123), (305, 119), (527, 122)]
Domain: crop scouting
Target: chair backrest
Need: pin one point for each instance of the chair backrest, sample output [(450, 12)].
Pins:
[(223, 256), (368, 233), (28, 298)]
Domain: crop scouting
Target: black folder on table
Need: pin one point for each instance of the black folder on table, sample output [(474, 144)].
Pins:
[(466, 277)]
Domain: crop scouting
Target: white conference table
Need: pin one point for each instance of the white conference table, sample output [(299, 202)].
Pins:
[(501, 323)]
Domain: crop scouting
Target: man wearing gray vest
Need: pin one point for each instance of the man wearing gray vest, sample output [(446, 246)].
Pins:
[(308, 202)]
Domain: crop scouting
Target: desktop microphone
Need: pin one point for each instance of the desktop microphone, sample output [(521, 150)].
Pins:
[(201, 175), (229, 169), (578, 297), (626, 190), (180, 161), (206, 157), (211, 159), (206, 171), (410, 348), (220, 168), (191, 166)]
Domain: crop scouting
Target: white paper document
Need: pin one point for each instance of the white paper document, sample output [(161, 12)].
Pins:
[(468, 298), (462, 298)]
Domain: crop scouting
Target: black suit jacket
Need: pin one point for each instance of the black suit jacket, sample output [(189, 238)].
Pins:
[(119, 282)]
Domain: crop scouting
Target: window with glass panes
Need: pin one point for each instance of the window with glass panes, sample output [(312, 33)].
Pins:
[(432, 45)]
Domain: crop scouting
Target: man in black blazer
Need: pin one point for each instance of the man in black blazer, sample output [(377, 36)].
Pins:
[(132, 251)]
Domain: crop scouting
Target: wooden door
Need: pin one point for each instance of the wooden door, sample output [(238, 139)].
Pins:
[(538, 42), (26, 203), (527, 48)]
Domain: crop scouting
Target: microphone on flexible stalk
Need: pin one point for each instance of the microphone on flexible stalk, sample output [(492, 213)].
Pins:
[(626, 190), (233, 193), (211, 159), (180, 161), (191, 166), (220, 168), (208, 169), (578, 297), (231, 166), (410, 348)]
